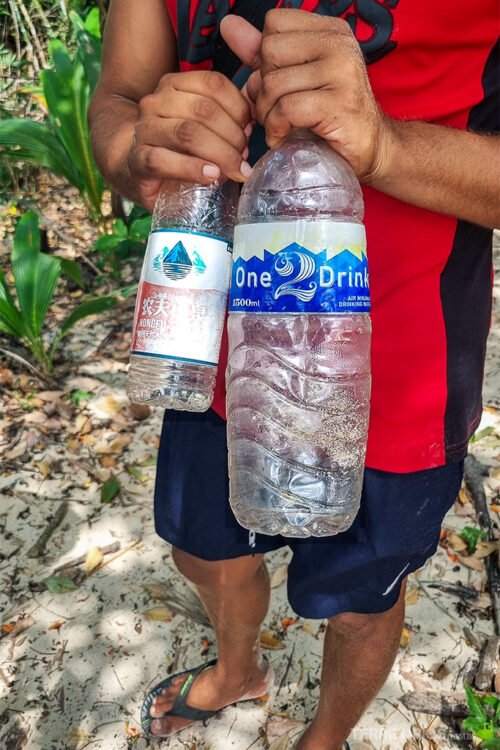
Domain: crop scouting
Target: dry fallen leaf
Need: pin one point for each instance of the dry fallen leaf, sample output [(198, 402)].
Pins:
[(465, 511), (108, 462), (56, 625), (405, 639), (159, 614), (93, 560), (78, 735), (6, 376), (117, 445), (50, 396), (105, 406), (131, 731), (411, 745), (73, 445), (17, 451), (484, 549), (277, 726), (307, 628), (15, 629), (268, 640), (280, 743), (412, 595), (456, 541), (464, 496), (471, 562), (279, 575), (44, 467), (157, 591), (483, 601)]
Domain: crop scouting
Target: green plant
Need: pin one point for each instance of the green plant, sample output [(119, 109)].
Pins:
[(484, 719), (61, 142), (471, 536), (126, 241), (36, 276)]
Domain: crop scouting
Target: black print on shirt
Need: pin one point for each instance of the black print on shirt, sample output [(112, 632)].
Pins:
[(376, 14), (196, 36)]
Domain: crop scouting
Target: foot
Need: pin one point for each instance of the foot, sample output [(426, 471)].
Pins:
[(311, 740), (211, 691)]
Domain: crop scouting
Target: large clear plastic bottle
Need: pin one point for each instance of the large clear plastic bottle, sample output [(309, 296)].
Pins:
[(182, 296), (298, 375)]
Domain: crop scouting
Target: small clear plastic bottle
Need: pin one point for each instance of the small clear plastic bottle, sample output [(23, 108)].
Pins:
[(298, 375), (182, 296)]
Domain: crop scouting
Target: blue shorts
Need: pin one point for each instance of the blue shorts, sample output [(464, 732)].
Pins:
[(360, 570)]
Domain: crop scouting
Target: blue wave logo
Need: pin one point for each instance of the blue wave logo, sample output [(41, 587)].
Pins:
[(176, 264)]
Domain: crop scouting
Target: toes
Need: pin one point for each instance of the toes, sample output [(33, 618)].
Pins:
[(165, 700), (161, 704), (177, 681), (166, 726)]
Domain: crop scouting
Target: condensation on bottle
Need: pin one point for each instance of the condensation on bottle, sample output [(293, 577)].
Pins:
[(182, 297), (298, 375)]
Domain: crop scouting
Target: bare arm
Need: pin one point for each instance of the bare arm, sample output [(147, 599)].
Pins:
[(310, 73), (139, 48), (150, 124), (442, 169)]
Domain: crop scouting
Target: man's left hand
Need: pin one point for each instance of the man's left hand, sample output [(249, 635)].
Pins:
[(310, 73)]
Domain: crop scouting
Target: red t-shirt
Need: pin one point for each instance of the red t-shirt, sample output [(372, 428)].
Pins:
[(430, 275)]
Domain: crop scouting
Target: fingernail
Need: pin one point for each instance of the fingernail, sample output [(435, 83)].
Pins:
[(211, 171), (248, 130), (245, 153), (245, 169)]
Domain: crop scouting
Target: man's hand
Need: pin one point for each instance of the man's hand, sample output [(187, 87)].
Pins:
[(192, 128), (310, 73)]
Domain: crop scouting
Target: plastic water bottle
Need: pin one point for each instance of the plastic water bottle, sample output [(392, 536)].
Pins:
[(182, 297), (298, 375)]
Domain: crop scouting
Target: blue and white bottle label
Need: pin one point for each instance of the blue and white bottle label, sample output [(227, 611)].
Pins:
[(300, 267), (182, 297)]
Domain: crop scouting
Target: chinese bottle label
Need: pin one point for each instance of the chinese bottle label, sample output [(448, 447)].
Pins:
[(300, 267), (181, 301)]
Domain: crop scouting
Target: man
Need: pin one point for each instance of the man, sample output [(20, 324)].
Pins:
[(401, 114)]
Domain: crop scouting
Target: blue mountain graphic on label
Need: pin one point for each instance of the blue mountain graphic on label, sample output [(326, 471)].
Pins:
[(198, 264), (174, 263), (297, 280)]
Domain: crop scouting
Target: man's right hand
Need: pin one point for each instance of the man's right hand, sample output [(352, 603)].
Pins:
[(193, 128)]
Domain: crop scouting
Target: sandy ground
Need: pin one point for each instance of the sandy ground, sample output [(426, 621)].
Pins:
[(76, 676)]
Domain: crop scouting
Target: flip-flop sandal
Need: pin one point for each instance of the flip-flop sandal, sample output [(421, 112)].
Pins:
[(180, 707)]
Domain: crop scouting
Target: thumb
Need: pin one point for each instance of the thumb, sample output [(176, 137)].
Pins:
[(243, 39)]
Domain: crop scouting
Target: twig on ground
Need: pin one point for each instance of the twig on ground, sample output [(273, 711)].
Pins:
[(456, 589), (488, 664), (287, 669), (44, 378), (38, 548), (6, 681), (436, 603), (122, 552), (471, 638), (474, 481), (106, 550), (431, 702)]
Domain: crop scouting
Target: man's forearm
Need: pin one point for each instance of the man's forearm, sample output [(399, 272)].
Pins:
[(112, 121), (445, 170)]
